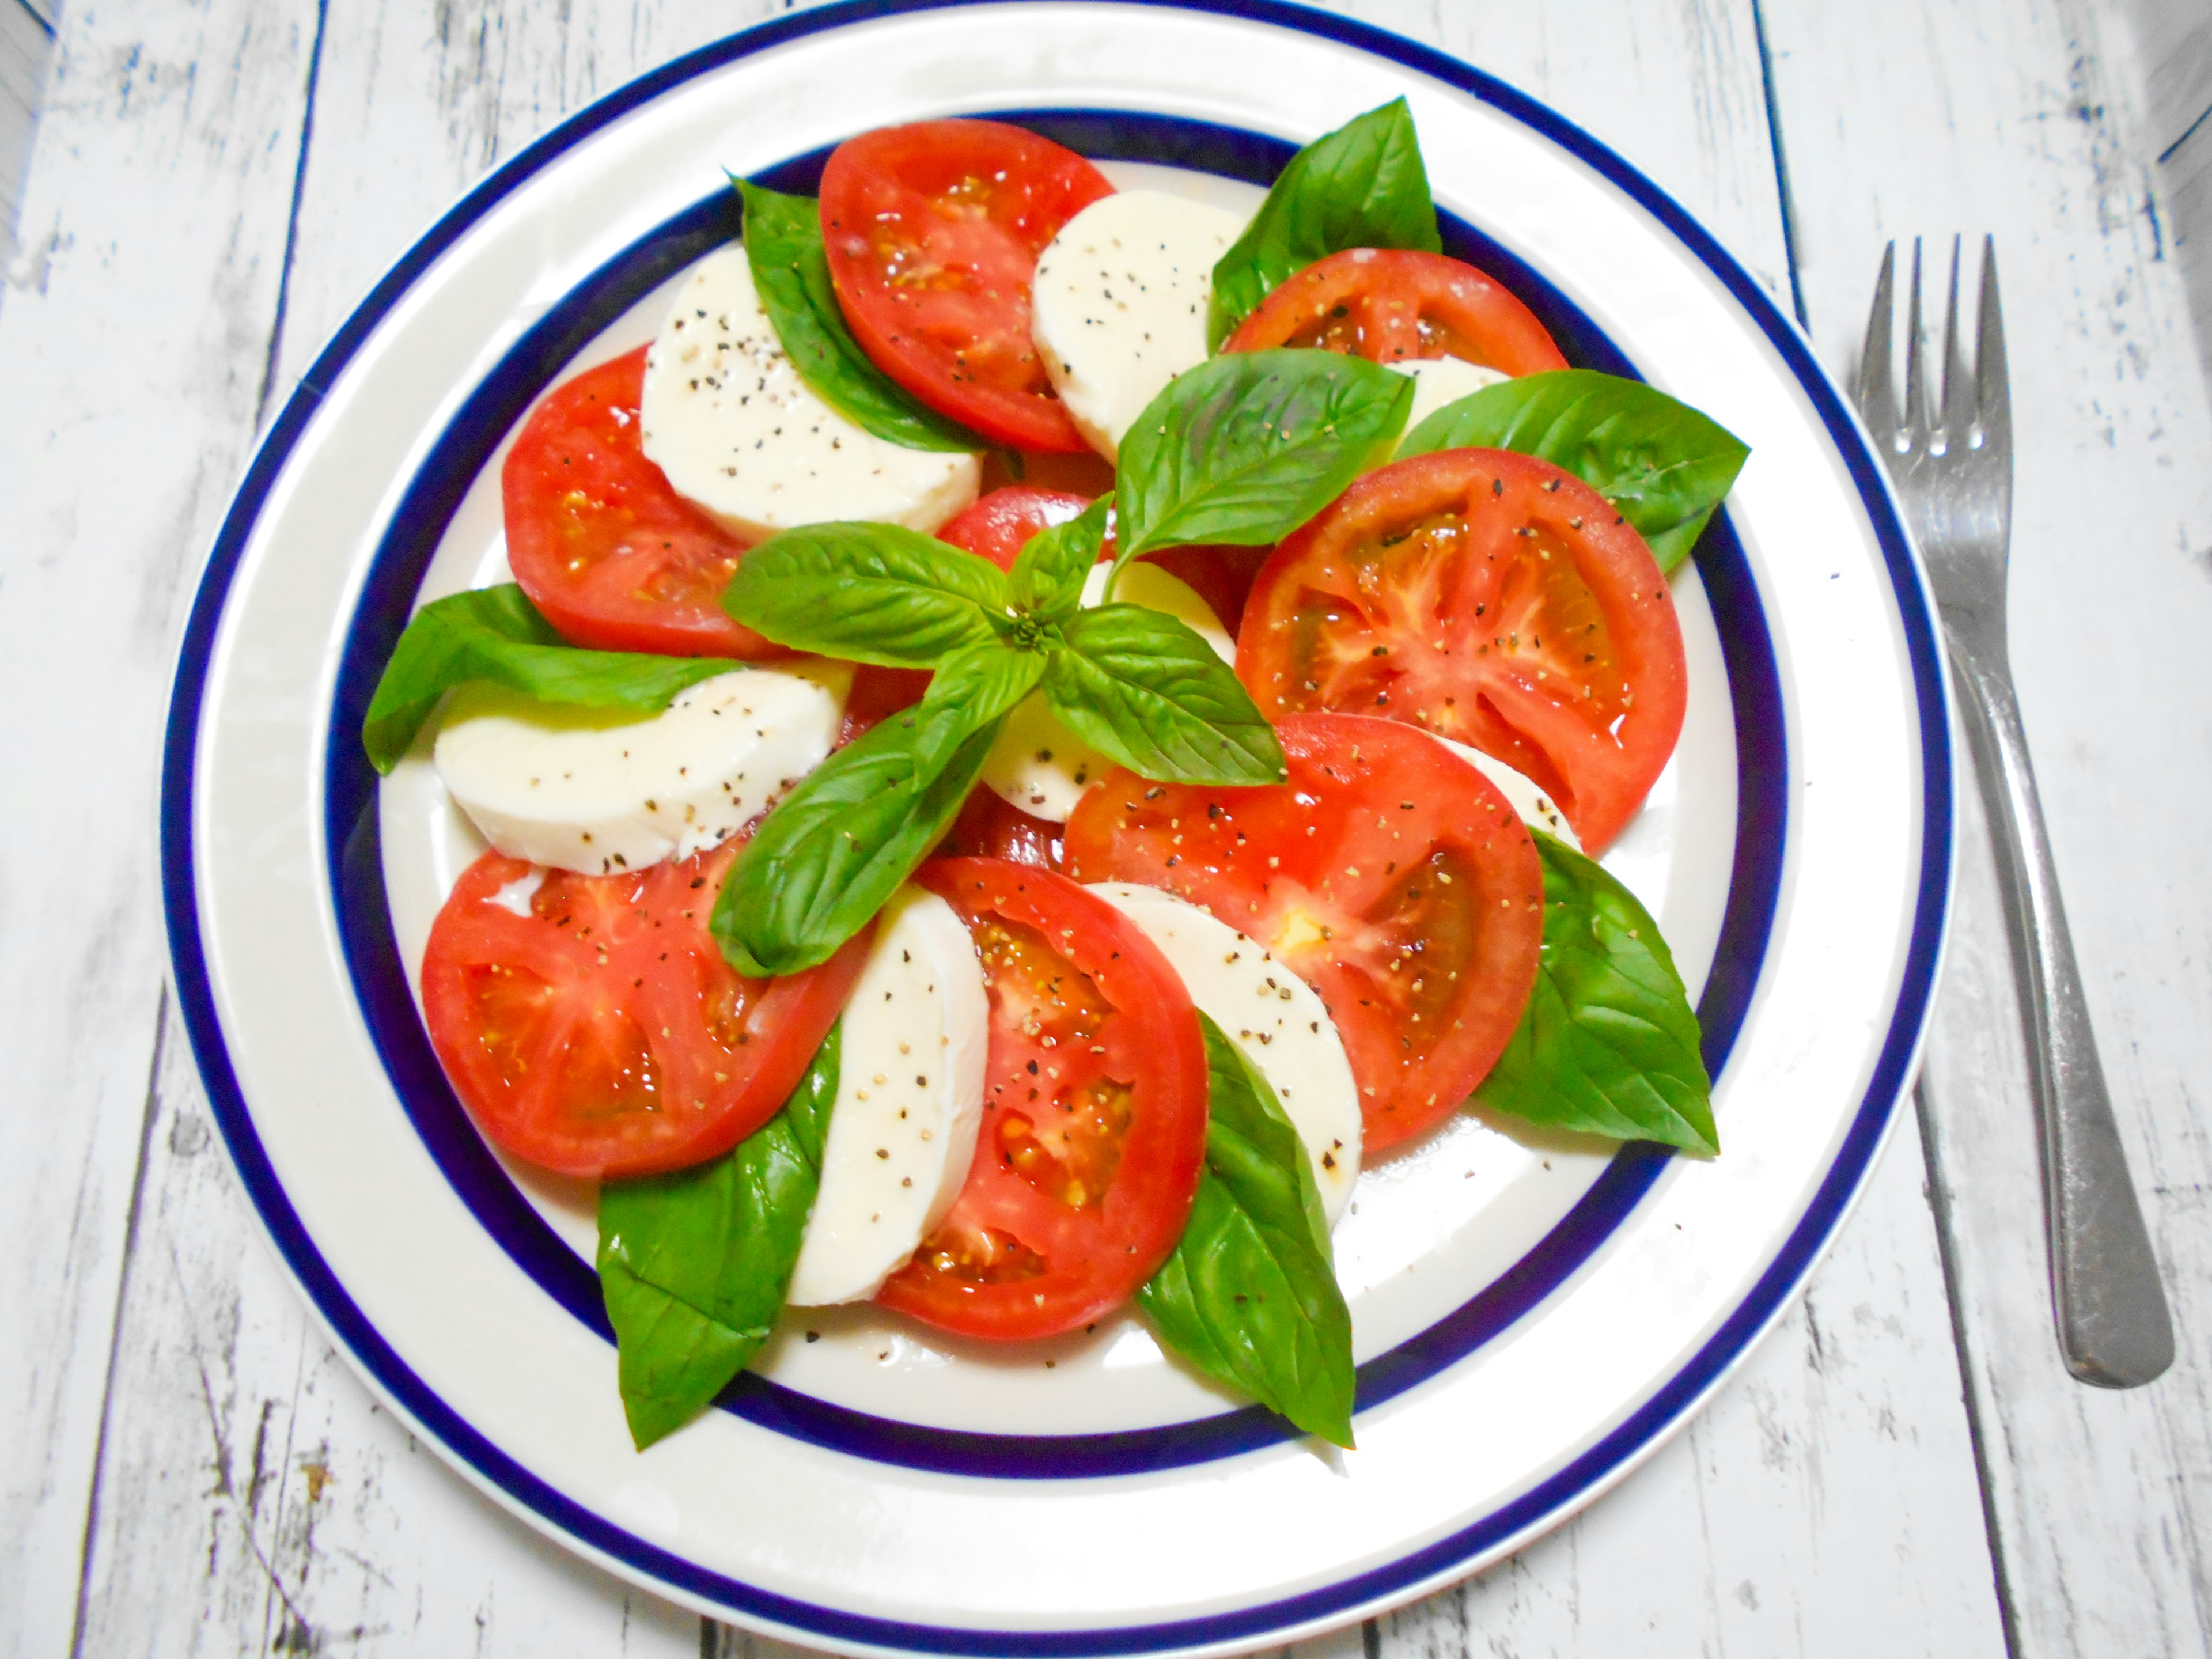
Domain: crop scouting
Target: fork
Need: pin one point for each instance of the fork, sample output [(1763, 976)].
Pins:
[(1953, 470)]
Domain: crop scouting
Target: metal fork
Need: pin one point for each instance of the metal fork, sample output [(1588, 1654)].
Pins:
[(1952, 470)]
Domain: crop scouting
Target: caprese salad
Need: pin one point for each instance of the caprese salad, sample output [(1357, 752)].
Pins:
[(1008, 900)]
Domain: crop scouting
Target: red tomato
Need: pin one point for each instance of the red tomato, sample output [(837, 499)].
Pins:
[(615, 559), (1390, 304), (992, 827), (1388, 873), (602, 1034), (1489, 598), (932, 233), (1094, 1116), (998, 525), (878, 692)]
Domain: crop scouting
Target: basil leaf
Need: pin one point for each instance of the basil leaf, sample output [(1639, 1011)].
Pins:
[(1246, 448), (1362, 186), (1047, 577), (495, 634), (783, 245), (868, 593), (972, 688), (1607, 1043), (834, 849), (1249, 1296), (694, 1264), (1144, 690), (1663, 465)]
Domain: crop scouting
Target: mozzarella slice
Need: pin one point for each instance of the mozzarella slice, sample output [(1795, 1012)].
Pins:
[(1273, 1015), (909, 1097), (727, 418), (1038, 763), (1533, 806), (1119, 301), (1441, 380), (597, 790)]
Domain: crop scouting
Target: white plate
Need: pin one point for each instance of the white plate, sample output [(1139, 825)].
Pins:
[(1532, 1316)]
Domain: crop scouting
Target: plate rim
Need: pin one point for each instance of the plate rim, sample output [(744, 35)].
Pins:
[(1578, 1482)]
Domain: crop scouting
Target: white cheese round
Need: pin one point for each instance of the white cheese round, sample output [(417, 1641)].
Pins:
[(1533, 806), (1119, 301), (909, 1098), (1039, 765), (1441, 380), (597, 790), (727, 417), (1273, 1015)]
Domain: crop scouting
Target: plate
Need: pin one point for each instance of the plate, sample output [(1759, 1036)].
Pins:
[(1533, 1316)]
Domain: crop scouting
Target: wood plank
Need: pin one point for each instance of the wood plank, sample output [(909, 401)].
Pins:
[(168, 152), (2022, 117)]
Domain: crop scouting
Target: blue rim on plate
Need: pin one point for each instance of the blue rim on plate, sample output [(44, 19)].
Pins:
[(1630, 1174)]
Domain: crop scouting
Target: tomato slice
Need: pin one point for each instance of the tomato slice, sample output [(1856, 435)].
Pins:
[(992, 827), (601, 543), (932, 233), (1094, 1116), (1388, 873), (998, 525), (1390, 304), (1489, 597), (590, 1025)]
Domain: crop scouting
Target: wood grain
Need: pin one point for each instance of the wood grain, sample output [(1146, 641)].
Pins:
[(2029, 127), (170, 139)]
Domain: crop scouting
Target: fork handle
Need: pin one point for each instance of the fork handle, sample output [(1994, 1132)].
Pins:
[(2113, 1326)]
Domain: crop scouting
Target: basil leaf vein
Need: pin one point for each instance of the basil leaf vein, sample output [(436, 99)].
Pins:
[(1249, 1296), (496, 636), (1662, 465), (783, 246), (1608, 1044), (1363, 186), (831, 852), (1247, 448), (1145, 691), (694, 1264), (868, 593)]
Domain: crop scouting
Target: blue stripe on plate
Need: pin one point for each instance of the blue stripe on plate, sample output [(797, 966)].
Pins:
[(1605, 1461)]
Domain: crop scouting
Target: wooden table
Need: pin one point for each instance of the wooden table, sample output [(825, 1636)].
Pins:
[(1903, 1469)]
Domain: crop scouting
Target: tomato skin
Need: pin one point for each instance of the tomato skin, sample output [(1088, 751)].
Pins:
[(599, 540), (1388, 873), (1034, 1245), (997, 526), (992, 827), (877, 694), (1492, 598), (1390, 305), (546, 1024), (932, 233)]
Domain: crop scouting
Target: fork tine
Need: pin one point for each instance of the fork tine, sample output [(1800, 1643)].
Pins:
[(1958, 389), (1993, 394), (1917, 419), (1877, 388)]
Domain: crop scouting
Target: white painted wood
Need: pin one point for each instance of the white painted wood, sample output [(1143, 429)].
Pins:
[(2022, 118), (168, 139), (26, 42)]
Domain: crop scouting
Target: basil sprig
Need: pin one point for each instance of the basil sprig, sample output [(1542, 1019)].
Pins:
[(495, 634), (1247, 448), (1363, 186), (783, 246), (1608, 1044), (1663, 465), (694, 1264), (1250, 1297)]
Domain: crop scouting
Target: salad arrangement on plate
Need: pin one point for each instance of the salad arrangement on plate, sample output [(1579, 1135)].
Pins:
[(1007, 903)]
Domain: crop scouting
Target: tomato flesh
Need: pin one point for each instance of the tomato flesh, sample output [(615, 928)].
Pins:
[(1489, 598), (1390, 305), (599, 540), (596, 1030), (932, 233), (1094, 1115), (1388, 873), (997, 526)]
